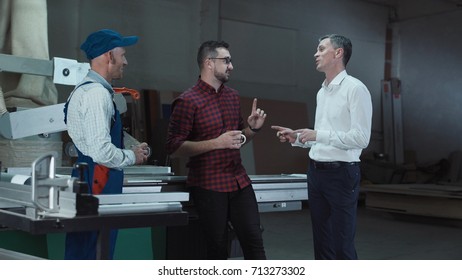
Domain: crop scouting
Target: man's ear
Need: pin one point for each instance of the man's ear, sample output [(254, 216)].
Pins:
[(110, 57), (208, 63)]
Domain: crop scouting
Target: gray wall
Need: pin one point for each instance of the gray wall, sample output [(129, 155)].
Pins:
[(168, 29), (272, 44), (428, 63)]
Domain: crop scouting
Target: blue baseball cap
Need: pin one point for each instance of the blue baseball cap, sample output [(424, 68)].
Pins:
[(104, 40)]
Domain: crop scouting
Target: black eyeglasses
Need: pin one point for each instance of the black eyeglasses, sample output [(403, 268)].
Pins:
[(226, 60)]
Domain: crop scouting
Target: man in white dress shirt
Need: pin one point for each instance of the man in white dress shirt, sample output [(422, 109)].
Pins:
[(341, 131)]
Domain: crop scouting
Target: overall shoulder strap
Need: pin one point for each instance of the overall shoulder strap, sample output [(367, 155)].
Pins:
[(67, 102)]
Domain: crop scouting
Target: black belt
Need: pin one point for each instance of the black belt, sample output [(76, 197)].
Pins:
[(332, 164)]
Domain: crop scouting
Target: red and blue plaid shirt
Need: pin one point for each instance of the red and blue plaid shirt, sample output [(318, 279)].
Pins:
[(201, 113)]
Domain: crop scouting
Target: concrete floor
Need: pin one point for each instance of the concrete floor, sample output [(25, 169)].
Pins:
[(379, 236)]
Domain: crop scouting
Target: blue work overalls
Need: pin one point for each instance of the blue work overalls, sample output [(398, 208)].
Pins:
[(101, 180)]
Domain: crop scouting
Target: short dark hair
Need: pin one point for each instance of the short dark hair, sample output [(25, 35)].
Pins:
[(339, 41), (209, 49)]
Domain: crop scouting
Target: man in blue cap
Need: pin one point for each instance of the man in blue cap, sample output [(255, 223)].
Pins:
[(95, 127)]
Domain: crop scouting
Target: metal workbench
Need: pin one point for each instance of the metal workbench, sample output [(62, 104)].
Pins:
[(273, 192), (50, 204), (101, 223)]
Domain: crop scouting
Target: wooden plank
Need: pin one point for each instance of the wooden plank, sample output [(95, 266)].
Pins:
[(415, 205), (432, 190), (272, 156), (430, 200)]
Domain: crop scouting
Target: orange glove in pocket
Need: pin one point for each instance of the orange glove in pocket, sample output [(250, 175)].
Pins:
[(100, 178)]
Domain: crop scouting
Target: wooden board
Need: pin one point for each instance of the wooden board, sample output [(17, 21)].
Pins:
[(270, 155), (430, 200)]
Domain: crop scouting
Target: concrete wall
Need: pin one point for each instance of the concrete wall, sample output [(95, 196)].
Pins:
[(272, 44), (168, 30), (428, 62)]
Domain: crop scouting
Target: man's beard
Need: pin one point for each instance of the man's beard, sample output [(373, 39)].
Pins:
[(222, 77)]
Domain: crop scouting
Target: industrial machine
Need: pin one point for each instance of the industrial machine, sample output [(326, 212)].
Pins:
[(273, 192), (48, 203)]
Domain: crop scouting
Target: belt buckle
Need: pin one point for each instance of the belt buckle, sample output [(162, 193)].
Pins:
[(333, 165)]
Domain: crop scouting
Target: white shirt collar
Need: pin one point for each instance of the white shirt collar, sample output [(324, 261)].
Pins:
[(336, 81)]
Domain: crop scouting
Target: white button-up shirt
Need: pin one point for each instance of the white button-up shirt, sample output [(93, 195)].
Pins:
[(343, 120), (89, 119)]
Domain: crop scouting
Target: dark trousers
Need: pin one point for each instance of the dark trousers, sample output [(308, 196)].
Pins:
[(83, 245), (332, 197), (240, 207)]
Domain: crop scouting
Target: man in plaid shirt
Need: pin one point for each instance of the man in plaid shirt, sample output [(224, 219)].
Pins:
[(206, 125)]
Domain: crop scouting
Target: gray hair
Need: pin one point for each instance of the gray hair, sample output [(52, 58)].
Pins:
[(339, 41)]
